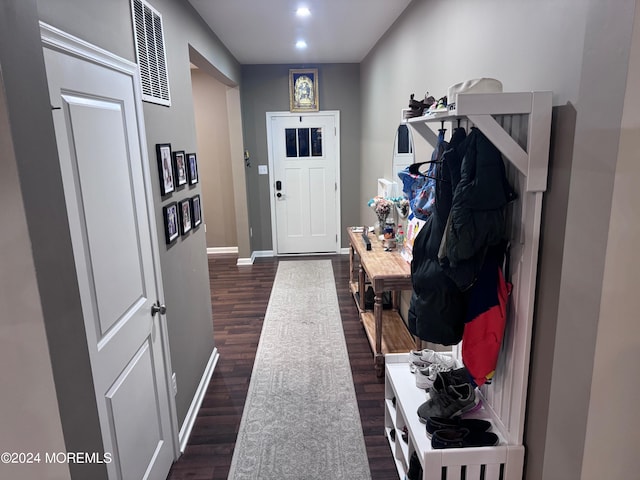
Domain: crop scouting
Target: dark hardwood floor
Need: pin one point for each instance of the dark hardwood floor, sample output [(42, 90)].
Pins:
[(239, 297)]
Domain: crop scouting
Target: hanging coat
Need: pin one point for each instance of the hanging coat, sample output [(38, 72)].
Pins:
[(477, 218), (438, 308), (486, 318)]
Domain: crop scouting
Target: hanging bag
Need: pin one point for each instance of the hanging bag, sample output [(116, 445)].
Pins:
[(420, 188)]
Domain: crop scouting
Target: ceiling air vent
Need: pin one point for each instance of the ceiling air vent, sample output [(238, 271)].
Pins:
[(150, 52)]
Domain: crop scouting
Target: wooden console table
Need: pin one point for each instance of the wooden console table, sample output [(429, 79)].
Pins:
[(384, 271)]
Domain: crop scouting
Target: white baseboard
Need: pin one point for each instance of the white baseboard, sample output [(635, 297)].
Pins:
[(254, 255), (261, 253), (192, 413), (218, 250), (269, 253)]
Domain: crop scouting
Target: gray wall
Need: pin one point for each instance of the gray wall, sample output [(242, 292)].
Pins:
[(29, 113), (265, 89), (28, 402), (618, 341), (184, 265), (578, 50)]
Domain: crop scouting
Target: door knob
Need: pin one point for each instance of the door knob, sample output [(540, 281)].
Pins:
[(278, 195), (158, 308)]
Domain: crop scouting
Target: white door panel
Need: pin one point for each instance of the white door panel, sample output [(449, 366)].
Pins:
[(98, 158), (137, 431), (112, 227), (319, 224), (304, 155)]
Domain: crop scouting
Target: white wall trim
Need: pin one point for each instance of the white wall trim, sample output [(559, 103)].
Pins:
[(219, 250), (254, 255), (261, 253), (192, 413), (56, 39)]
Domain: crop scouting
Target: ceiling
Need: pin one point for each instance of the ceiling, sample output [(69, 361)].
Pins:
[(266, 31)]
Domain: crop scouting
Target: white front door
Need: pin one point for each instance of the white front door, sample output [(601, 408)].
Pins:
[(304, 158), (96, 114)]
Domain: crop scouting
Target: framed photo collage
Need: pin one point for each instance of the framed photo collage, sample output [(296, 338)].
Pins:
[(177, 169)]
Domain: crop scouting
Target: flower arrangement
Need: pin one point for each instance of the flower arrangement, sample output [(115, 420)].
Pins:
[(381, 205), (402, 205)]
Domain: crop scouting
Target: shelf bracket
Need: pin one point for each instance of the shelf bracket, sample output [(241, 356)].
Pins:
[(502, 140), (426, 133)]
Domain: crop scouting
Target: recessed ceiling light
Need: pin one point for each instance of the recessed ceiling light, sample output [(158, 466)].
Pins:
[(301, 44), (303, 12)]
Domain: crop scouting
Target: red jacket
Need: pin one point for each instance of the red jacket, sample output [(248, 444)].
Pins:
[(482, 336)]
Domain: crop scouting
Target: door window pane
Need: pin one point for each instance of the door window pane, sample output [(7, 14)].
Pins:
[(316, 142), (290, 140), (303, 142)]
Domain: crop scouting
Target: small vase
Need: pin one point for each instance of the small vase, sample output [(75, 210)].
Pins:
[(382, 220)]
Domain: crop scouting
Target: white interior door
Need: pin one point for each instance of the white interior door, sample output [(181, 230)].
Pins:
[(304, 153), (106, 184)]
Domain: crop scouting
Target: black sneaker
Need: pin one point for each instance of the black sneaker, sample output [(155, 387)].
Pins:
[(415, 469), (458, 376), (457, 399), (472, 424), (462, 438)]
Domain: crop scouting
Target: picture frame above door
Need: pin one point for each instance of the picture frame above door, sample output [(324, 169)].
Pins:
[(303, 90)]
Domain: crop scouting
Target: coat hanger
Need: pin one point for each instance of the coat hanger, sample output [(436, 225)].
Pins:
[(414, 169)]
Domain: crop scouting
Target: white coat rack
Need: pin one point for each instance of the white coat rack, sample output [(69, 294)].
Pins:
[(519, 125)]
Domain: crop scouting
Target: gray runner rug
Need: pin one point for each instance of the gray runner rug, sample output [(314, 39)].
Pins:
[(301, 419)]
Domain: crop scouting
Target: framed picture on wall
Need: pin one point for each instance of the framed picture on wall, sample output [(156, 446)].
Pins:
[(180, 168), (192, 168), (165, 168), (185, 216), (196, 211), (170, 216), (303, 90)]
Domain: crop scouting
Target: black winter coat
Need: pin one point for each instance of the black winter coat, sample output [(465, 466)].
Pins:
[(477, 219), (438, 307), (471, 195)]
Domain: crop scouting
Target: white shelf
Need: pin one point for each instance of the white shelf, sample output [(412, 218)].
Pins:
[(512, 103), (480, 109)]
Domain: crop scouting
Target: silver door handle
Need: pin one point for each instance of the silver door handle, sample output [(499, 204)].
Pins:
[(158, 308)]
